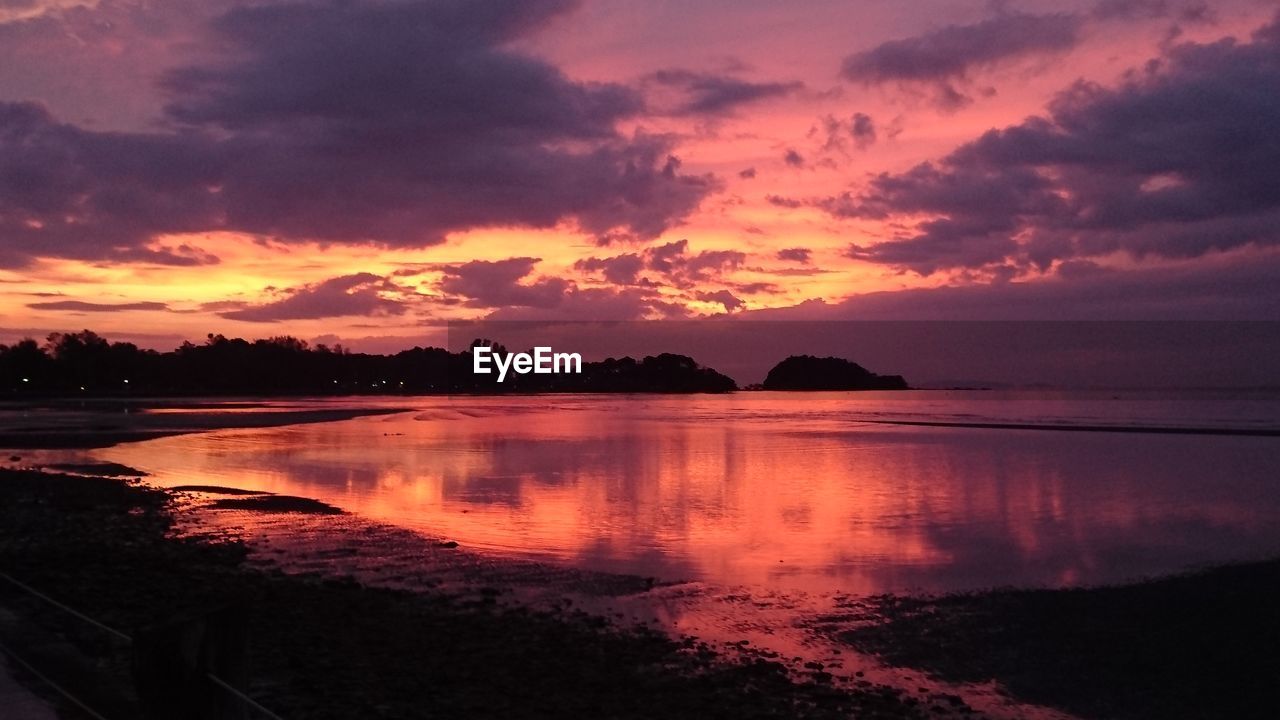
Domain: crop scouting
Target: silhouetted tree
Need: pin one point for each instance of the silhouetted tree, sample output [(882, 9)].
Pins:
[(85, 363)]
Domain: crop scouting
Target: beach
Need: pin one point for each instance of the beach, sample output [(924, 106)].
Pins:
[(560, 359), (347, 607), (329, 647)]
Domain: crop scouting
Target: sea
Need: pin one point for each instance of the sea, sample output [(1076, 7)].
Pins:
[(854, 493)]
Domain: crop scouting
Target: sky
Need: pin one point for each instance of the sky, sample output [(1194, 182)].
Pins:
[(363, 171)]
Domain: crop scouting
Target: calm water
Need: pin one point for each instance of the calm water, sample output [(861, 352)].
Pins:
[(783, 490)]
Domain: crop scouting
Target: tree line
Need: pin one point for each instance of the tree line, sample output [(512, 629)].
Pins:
[(86, 364)]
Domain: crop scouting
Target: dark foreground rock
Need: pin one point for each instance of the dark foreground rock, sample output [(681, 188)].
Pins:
[(335, 649), (806, 372)]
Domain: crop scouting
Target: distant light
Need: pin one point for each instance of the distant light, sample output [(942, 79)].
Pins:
[(26, 379), (335, 382), (82, 387), (126, 382)]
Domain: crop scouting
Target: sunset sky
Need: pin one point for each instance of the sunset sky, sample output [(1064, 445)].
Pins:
[(360, 171)]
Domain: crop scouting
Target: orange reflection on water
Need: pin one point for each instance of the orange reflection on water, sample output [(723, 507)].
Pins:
[(764, 490)]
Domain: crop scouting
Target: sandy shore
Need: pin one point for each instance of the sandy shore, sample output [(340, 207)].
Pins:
[(325, 647), (348, 615), (1200, 645), (99, 424)]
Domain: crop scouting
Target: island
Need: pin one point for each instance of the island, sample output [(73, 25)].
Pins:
[(806, 372)]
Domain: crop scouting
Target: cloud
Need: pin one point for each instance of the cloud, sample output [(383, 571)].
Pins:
[(685, 270), (723, 297), (944, 58), (670, 262), (66, 192), (491, 284), (14, 10), (1176, 162), (1191, 12), (836, 133), (1225, 288), (619, 270), (793, 158), (756, 288), (348, 295), (82, 306), (863, 130), (796, 254), (394, 123), (598, 304), (711, 94)]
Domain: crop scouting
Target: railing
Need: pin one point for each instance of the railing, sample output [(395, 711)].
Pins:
[(190, 667)]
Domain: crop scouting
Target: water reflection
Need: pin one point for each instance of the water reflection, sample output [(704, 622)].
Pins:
[(777, 491)]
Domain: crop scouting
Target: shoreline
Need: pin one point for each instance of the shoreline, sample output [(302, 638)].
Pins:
[(328, 647), (110, 429), (1065, 427), (974, 654), (996, 642), (1202, 643)]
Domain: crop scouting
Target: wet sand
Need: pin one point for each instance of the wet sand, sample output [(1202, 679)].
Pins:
[(330, 647), (350, 614), (100, 424), (1200, 645), (733, 624)]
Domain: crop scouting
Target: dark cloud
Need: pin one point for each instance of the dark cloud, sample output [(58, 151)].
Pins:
[(793, 158), (619, 270), (1224, 288), (1072, 269), (747, 173), (791, 271), (348, 295), (942, 59), (82, 306), (756, 288), (394, 123), (490, 284), (863, 130), (1176, 162), (1192, 12), (724, 297), (67, 192), (711, 94), (671, 262), (665, 257), (598, 304), (222, 305), (796, 254), (835, 134), (685, 270)]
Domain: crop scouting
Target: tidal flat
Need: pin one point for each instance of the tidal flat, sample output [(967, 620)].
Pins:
[(334, 648)]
